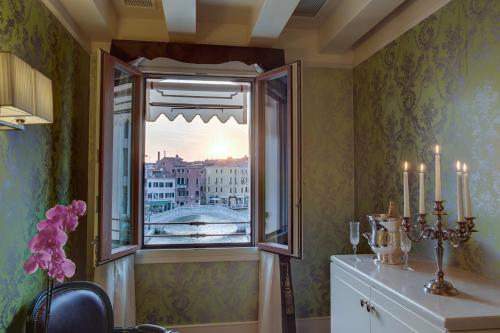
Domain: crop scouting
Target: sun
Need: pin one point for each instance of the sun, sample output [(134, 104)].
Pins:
[(220, 149)]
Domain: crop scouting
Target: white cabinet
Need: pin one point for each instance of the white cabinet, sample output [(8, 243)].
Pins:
[(350, 297), (371, 298)]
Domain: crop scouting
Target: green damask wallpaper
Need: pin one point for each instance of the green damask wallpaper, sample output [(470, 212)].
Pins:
[(37, 166), (193, 293), (328, 187), (437, 83)]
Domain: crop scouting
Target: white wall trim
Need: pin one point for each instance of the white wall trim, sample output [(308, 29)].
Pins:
[(240, 327), (166, 256), (304, 325)]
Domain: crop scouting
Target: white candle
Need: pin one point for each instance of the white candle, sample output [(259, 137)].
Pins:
[(460, 196), (468, 210), (406, 193), (437, 165), (421, 206)]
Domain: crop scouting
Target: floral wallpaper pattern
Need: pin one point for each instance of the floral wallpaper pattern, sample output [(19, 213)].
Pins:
[(328, 187), (191, 293), (36, 165), (437, 83)]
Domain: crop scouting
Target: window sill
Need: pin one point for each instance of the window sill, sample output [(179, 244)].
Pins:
[(168, 256)]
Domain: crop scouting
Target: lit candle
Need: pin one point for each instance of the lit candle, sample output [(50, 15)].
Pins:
[(460, 196), (421, 206), (406, 193), (468, 210), (437, 165)]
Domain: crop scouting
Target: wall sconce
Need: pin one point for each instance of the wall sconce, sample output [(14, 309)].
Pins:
[(25, 94)]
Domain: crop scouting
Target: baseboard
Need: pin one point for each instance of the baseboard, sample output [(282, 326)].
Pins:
[(313, 325), (304, 325), (240, 327)]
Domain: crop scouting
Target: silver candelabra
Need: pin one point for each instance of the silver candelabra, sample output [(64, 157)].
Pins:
[(461, 234)]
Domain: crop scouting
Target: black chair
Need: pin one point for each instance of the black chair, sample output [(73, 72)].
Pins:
[(79, 307)]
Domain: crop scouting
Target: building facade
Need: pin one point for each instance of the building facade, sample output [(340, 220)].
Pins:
[(228, 182), (159, 190), (172, 182)]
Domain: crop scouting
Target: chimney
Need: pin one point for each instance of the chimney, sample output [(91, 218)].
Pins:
[(158, 156), (164, 153)]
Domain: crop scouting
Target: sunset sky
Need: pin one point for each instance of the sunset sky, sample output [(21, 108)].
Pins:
[(196, 140)]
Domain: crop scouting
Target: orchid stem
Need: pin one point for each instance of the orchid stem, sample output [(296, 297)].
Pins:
[(48, 302)]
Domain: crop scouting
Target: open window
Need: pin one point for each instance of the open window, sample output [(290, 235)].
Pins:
[(197, 159), (278, 160), (120, 144), (156, 193)]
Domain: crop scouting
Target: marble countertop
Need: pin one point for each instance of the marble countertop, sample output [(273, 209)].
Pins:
[(476, 307)]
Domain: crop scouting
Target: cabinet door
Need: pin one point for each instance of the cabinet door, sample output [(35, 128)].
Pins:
[(348, 315), (389, 316), (384, 322)]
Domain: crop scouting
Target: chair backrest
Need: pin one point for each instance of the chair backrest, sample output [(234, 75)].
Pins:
[(77, 307)]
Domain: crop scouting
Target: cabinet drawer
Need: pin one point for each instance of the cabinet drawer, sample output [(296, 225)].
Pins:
[(389, 313), (351, 281)]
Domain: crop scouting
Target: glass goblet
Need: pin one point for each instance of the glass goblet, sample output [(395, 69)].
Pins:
[(405, 245), (354, 237)]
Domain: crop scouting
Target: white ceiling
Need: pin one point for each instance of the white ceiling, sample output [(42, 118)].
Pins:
[(328, 37)]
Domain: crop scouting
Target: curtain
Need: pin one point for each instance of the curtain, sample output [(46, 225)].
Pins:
[(118, 280), (269, 293), (130, 50)]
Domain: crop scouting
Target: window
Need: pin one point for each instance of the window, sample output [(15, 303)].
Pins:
[(119, 181), (214, 132), (278, 125)]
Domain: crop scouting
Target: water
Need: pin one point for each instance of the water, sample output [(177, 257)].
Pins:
[(219, 232)]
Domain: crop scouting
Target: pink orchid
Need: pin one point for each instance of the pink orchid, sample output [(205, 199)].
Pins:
[(46, 223), (38, 260), (49, 238), (66, 217), (61, 267), (47, 246), (78, 207)]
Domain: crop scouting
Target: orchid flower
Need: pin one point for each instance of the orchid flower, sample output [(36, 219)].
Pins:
[(47, 246)]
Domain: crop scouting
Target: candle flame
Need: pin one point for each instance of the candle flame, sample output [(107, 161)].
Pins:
[(437, 149), (422, 167), (458, 166), (465, 167), (406, 166)]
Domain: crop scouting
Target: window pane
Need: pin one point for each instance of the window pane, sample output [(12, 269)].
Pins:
[(122, 119), (197, 147), (276, 222)]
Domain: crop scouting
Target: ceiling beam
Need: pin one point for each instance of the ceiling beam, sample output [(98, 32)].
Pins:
[(350, 21), (180, 17), (269, 17), (96, 17)]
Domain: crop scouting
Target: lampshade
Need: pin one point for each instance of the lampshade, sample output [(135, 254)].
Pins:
[(25, 93)]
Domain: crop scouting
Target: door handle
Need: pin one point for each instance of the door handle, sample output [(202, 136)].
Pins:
[(370, 308), (362, 302)]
